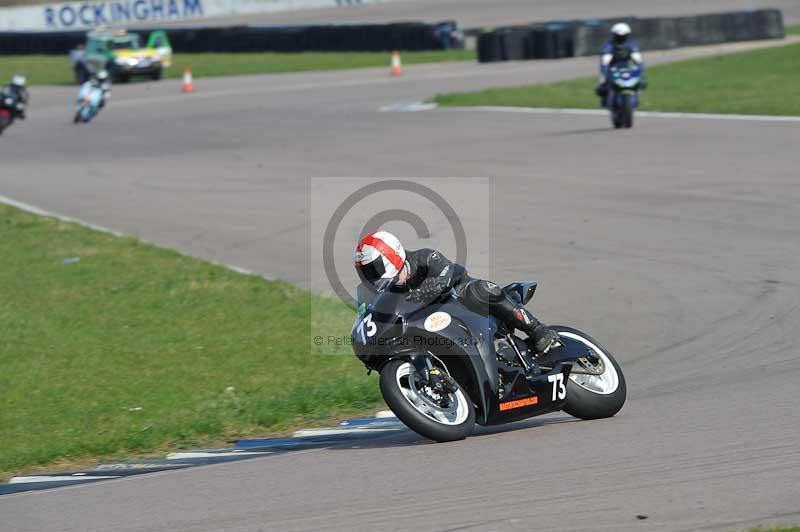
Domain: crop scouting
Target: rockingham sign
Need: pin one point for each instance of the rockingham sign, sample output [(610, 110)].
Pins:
[(72, 15), (85, 15)]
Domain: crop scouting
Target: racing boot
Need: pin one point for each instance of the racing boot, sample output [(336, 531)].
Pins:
[(541, 338), (481, 296)]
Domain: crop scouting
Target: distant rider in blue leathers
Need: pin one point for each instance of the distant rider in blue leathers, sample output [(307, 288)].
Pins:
[(619, 49), (97, 91)]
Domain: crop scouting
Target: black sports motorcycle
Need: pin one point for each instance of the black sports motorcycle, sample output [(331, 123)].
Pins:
[(10, 108), (444, 368)]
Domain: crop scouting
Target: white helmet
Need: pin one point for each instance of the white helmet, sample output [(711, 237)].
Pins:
[(620, 29), (379, 255), (102, 75), (18, 80)]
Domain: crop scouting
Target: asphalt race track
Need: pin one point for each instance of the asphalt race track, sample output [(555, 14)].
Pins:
[(676, 244)]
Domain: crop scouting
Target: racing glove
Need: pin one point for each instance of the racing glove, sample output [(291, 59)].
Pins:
[(601, 90), (429, 289)]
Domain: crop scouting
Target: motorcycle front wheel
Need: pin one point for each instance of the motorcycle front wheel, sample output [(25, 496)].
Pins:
[(594, 396), (616, 117), (423, 410), (627, 111)]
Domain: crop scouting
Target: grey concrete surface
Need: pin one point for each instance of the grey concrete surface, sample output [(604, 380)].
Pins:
[(676, 244), (480, 13)]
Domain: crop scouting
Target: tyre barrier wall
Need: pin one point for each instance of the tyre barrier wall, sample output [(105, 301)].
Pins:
[(339, 37), (574, 38)]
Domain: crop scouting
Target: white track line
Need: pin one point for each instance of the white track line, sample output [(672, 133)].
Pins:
[(205, 454), (604, 112), (27, 207), (41, 212), (63, 478), (346, 430)]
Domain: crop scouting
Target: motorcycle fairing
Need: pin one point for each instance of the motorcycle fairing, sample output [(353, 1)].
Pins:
[(531, 396), (625, 79), (470, 337)]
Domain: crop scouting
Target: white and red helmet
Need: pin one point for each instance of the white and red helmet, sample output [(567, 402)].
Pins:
[(379, 255)]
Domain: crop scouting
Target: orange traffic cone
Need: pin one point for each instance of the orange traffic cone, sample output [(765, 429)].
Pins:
[(397, 66), (188, 84)]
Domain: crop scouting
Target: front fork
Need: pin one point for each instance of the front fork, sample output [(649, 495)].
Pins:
[(429, 374)]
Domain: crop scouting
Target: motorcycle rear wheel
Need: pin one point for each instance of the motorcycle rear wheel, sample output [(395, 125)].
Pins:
[(590, 396), (412, 404)]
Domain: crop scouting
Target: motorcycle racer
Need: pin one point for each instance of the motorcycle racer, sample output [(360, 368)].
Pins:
[(104, 83), (425, 274), (619, 49), (17, 91), (92, 96)]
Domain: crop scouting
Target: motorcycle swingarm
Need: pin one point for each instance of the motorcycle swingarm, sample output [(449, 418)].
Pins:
[(570, 351)]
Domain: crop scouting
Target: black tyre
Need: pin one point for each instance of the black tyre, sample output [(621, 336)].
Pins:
[(589, 396), (118, 75), (420, 411), (156, 75), (616, 117), (627, 111)]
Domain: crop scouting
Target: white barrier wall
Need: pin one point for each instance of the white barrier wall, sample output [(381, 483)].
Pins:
[(85, 15)]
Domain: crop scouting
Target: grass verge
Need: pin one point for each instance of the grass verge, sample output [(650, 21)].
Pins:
[(764, 81), (135, 349), (776, 529), (55, 69)]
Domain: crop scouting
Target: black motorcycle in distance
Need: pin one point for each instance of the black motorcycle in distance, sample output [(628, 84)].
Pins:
[(444, 368), (10, 108)]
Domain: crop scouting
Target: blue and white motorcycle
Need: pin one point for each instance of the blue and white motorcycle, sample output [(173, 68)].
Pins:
[(90, 99), (625, 80)]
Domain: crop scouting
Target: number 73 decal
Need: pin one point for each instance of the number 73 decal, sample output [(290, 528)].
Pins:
[(367, 328), (559, 390)]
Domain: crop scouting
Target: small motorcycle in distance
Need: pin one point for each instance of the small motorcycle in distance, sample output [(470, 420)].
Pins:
[(625, 79), (10, 108), (444, 368), (89, 99)]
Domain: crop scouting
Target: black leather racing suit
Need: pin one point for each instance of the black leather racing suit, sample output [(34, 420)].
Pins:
[(431, 274), (20, 94)]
